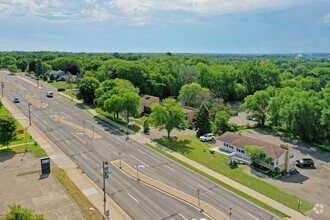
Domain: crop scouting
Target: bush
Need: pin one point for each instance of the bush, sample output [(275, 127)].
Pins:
[(233, 113), (233, 127), (52, 77), (276, 172)]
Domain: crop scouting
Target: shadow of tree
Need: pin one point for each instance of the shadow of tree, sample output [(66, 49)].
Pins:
[(6, 154), (176, 145)]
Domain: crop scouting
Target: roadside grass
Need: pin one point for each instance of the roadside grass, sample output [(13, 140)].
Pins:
[(63, 84), (36, 150), (79, 198), (69, 94), (266, 206), (20, 138), (192, 148)]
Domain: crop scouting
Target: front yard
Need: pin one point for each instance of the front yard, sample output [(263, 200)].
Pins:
[(192, 148)]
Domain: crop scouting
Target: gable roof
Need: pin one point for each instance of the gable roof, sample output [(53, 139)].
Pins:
[(238, 140)]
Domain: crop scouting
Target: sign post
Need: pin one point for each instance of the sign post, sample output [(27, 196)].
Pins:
[(45, 166)]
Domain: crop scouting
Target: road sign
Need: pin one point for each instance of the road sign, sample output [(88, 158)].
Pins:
[(45, 166), (106, 169), (19, 132), (106, 176)]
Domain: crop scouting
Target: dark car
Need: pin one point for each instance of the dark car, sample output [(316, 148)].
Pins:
[(50, 81), (305, 162), (60, 79), (60, 89), (16, 100)]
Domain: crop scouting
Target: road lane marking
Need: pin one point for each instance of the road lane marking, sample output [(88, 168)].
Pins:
[(252, 216), (140, 151), (78, 137), (170, 168), (139, 161), (83, 156), (68, 142), (132, 197), (208, 190), (182, 216)]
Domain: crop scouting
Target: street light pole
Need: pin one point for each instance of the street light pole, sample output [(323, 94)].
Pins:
[(29, 113), (127, 138), (25, 141), (71, 91), (199, 204), (137, 171), (84, 124), (93, 130), (104, 197), (119, 160)]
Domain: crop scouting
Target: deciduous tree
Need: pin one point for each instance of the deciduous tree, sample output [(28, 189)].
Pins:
[(193, 95), (87, 89), (17, 212), (7, 128), (169, 116)]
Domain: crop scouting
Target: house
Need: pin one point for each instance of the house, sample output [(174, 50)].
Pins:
[(59, 73), (146, 103), (234, 144), (190, 111)]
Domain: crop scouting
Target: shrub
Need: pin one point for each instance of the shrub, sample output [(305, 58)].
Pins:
[(52, 77)]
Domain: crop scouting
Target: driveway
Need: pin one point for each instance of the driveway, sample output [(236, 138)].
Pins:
[(44, 195), (311, 184)]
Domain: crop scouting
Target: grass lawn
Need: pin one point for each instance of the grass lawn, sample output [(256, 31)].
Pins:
[(69, 94), (63, 84), (20, 138), (83, 203), (192, 148), (37, 150)]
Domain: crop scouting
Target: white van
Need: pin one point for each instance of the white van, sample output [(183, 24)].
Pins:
[(50, 94)]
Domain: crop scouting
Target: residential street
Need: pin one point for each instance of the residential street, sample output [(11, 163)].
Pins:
[(137, 199)]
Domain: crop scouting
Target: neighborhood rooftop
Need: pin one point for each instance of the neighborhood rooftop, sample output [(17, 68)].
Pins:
[(238, 140)]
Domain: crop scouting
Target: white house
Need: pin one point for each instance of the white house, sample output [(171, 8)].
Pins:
[(282, 156)]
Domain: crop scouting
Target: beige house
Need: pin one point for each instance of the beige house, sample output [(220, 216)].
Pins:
[(146, 103), (234, 143)]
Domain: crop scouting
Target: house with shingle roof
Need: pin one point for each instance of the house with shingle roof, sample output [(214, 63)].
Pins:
[(234, 143)]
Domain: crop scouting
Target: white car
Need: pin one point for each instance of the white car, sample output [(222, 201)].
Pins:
[(207, 137)]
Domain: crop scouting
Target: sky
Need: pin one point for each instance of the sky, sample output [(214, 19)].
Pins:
[(160, 26)]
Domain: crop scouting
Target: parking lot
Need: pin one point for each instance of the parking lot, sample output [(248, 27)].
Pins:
[(42, 194), (312, 183)]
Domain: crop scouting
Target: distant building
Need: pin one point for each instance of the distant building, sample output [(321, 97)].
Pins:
[(234, 143), (59, 73), (147, 102)]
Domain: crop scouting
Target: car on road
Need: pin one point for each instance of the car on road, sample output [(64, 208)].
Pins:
[(50, 81), (305, 162), (207, 137), (50, 94), (16, 100), (61, 89)]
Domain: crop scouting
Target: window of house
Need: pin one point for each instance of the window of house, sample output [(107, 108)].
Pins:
[(243, 151), (224, 144)]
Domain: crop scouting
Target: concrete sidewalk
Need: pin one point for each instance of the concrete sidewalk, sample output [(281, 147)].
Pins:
[(16, 145), (81, 180)]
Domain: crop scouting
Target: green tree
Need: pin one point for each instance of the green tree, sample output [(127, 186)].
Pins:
[(39, 68), (114, 105), (1, 104), (193, 95), (255, 153), (7, 128), (17, 212), (220, 125), (257, 104), (131, 103), (22, 64), (7, 60), (87, 89), (202, 121), (12, 68), (52, 77), (169, 116)]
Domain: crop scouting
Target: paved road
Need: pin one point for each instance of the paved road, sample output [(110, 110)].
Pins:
[(140, 201)]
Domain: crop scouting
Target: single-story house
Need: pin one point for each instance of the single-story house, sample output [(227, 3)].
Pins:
[(190, 111), (234, 143), (146, 103)]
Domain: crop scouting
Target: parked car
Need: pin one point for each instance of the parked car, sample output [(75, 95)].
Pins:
[(305, 162), (60, 79), (207, 137), (60, 89), (16, 100), (50, 81)]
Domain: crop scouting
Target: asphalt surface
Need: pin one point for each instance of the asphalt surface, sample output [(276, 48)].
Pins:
[(138, 200)]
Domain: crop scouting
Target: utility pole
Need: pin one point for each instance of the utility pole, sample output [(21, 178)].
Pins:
[(71, 90), (105, 175), (93, 130), (119, 160), (127, 138), (29, 112), (84, 124), (137, 171), (199, 204), (25, 141)]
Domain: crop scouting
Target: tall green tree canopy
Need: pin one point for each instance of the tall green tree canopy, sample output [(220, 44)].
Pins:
[(202, 121), (17, 212), (169, 116), (193, 95), (7, 128), (87, 89)]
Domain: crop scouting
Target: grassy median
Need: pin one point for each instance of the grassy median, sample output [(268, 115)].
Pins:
[(83, 203)]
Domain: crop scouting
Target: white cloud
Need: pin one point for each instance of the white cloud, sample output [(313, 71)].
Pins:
[(134, 12), (326, 18)]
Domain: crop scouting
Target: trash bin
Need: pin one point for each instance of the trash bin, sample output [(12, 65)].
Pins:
[(35, 143), (204, 149)]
